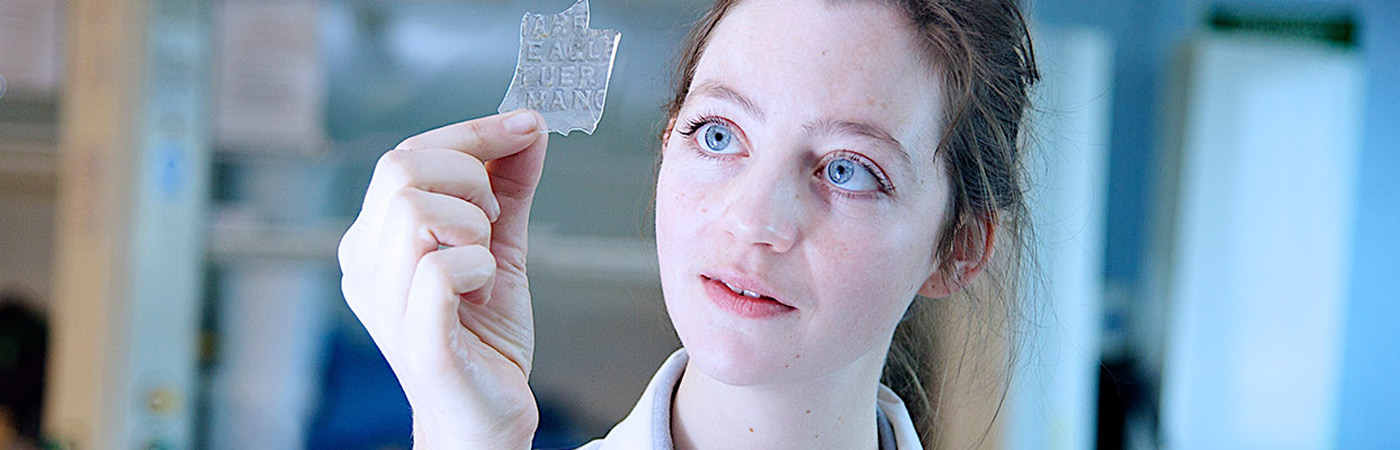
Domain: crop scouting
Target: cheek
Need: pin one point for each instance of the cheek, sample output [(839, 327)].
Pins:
[(873, 256), (684, 194), (868, 277), (681, 212), (668, 199), (674, 204)]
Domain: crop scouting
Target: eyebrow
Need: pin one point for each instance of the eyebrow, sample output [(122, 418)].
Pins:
[(722, 92), (827, 126), (860, 129)]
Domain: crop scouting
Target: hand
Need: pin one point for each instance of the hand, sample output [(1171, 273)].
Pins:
[(434, 267)]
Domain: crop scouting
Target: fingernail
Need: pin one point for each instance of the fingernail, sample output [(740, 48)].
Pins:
[(521, 123), (495, 212)]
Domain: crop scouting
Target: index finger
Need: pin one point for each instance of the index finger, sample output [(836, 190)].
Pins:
[(486, 138)]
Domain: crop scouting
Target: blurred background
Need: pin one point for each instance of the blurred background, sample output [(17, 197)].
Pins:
[(1216, 197)]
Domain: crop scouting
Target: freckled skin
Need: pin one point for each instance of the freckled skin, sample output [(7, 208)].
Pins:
[(854, 264), (848, 263)]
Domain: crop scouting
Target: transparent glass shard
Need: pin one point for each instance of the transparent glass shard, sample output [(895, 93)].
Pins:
[(563, 69)]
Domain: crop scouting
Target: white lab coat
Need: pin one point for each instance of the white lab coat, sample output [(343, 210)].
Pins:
[(648, 427)]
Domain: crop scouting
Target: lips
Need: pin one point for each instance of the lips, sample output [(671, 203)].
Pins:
[(743, 297), (744, 292)]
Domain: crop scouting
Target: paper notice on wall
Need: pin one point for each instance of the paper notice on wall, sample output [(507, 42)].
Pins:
[(31, 47), (269, 84)]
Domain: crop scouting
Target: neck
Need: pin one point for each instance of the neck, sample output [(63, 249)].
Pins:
[(836, 412)]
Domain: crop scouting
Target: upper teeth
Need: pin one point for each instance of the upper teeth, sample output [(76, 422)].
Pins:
[(743, 292)]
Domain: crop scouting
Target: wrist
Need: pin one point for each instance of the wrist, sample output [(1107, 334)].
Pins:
[(432, 432)]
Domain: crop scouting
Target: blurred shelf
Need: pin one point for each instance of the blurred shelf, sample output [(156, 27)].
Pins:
[(237, 240), (28, 159), (630, 259), (26, 109), (264, 153)]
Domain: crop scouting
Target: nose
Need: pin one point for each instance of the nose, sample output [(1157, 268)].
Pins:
[(763, 209)]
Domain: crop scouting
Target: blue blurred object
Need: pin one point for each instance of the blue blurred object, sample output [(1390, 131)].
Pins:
[(558, 427), (362, 406)]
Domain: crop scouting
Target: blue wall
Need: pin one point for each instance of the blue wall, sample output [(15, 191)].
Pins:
[(1146, 35), (1369, 415)]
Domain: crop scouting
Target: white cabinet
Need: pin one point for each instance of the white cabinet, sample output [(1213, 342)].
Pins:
[(1254, 263)]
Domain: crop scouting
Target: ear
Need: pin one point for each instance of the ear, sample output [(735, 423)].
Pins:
[(973, 245)]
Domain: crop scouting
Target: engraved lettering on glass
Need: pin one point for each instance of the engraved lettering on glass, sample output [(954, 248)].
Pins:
[(563, 69)]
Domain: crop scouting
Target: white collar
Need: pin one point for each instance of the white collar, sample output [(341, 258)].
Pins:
[(648, 426)]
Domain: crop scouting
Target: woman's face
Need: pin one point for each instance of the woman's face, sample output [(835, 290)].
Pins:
[(801, 169)]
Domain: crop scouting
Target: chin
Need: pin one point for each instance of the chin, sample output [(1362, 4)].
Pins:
[(737, 360), (735, 351)]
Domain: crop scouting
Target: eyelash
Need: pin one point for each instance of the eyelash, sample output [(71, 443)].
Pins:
[(693, 126), (886, 187)]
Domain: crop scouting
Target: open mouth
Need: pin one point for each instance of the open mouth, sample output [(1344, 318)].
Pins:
[(739, 300)]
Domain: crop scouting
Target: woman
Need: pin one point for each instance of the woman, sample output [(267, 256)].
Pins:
[(825, 164)]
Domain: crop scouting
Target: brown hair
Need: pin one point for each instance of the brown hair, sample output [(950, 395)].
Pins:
[(982, 51)]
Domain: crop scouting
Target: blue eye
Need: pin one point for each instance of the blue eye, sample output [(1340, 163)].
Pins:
[(847, 174), (717, 138)]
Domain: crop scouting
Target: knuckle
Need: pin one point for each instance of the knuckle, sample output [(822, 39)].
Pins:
[(407, 201), (476, 253), (469, 173), (474, 135), (409, 211), (474, 168), (396, 163), (478, 224), (483, 263), (351, 294), (458, 269), (345, 251), (437, 266), (409, 143)]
